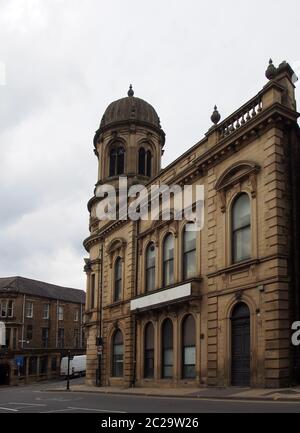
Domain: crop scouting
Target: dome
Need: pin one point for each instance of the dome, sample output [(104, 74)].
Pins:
[(130, 110)]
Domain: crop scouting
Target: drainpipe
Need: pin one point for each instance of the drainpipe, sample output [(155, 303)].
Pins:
[(23, 321), (100, 298), (56, 337), (81, 325), (135, 294)]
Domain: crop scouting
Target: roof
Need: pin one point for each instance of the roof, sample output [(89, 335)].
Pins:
[(130, 109), (39, 288)]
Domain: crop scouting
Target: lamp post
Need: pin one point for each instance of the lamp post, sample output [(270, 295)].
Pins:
[(68, 375), (99, 344)]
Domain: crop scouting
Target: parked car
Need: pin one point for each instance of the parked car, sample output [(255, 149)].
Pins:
[(77, 366)]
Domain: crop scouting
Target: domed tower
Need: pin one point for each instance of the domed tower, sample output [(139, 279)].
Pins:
[(129, 141)]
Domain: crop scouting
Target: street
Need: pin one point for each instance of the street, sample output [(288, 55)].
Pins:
[(35, 399)]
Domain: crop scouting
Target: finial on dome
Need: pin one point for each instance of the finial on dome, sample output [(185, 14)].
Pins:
[(215, 118), (130, 91)]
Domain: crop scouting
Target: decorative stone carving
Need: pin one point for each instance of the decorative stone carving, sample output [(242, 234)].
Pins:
[(233, 177), (116, 246)]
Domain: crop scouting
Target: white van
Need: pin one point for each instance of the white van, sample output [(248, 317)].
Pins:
[(77, 366)]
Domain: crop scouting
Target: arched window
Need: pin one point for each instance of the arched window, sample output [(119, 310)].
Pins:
[(117, 354), (167, 349), (150, 267), (116, 161), (168, 260), (148, 163), (118, 279), (149, 351), (189, 251), (142, 155), (188, 348), (145, 162), (241, 228)]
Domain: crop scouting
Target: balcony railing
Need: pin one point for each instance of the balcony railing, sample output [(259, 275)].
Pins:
[(242, 116)]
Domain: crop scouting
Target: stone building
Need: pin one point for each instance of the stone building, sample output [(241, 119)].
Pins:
[(169, 307), (42, 323)]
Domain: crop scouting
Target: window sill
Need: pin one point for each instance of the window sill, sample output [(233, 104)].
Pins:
[(236, 266)]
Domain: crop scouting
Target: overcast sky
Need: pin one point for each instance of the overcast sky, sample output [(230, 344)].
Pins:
[(66, 60)]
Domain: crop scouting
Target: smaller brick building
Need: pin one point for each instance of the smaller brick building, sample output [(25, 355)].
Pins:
[(42, 323)]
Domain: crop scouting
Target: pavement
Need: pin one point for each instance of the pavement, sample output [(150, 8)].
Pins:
[(231, 393)]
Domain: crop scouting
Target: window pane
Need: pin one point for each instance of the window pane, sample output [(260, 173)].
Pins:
[(189, 371), (118, 349), (168, 371), (149, 363), (168, 357), (167, 348), (169, 247), (142, 161), (189, 240), (241, 212), (189, 264), (150, 279), (150, 267), (149, 163), (242, 244), (150, 260), (33, 365), (189, 355), (3, 308), (112, 162), (169, 272), (120, 161), (10, 309)]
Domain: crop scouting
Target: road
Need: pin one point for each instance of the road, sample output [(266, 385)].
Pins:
[(35, 399)]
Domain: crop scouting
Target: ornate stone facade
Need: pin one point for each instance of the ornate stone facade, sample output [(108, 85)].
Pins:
[(242, 310)]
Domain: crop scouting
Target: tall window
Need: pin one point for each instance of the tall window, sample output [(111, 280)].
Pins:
[(15, 338), (61, 338), (60, 313), (93, 289), (148, 163), (118, 279), (118, 351), (145, 162), (188, 348), (149, 351), (43, 364), (29, 309), (7, 308), (7, 337), (241, 228), (116, 161), (167, 349), (46, 308), (142, 168), (189, 252), (150, 267), (76, 315), (76, 338), (168, 260), (29, 332), (32, 365), (45, 337)]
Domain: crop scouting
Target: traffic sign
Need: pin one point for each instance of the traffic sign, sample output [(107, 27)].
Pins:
[(19, 360)]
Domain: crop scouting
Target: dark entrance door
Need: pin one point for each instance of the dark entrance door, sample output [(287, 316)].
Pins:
[(240, 344), (4, 374)]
